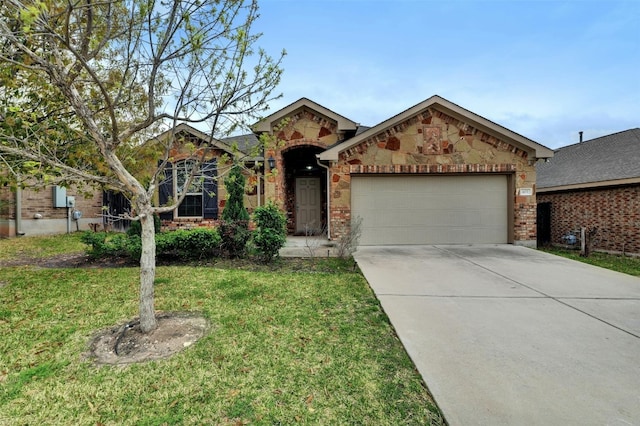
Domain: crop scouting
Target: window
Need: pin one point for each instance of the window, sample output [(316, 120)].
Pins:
[(200, 200), (191, 205)]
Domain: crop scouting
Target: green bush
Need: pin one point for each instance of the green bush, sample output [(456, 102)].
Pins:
[(105, 244), (234, 228), (133, 247), (271, 234), (135, 228), (235, 235), (184, 244), (197, 243), (234, 209)]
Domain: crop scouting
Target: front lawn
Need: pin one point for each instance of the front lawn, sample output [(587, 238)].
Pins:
[(40, 247), (625, 264), (285, 347)]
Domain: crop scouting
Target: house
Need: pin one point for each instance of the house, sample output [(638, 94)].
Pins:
[(593, 184), (49, 210), (204, 202), (435, 173)]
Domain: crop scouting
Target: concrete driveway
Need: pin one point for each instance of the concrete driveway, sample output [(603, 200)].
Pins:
[(507, 335)]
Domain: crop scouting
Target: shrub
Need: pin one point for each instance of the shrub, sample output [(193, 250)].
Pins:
[(271, 233), (184, 244), (133, 247), (135, 228), (234, 228), (348, 242), (105, 244), (235, 235), (188, 244), (234, 209)]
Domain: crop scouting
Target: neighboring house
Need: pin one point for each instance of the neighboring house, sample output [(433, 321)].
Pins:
[(435, 173), (44, 211), (593, 184)]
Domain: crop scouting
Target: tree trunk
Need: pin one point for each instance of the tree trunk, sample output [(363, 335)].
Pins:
[(147, 273)]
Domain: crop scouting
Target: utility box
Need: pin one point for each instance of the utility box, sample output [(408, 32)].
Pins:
[(71, 202), (59, 196)]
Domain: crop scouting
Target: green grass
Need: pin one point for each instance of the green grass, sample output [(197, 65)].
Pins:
[(285, 347), (625, 264), (39, 247)]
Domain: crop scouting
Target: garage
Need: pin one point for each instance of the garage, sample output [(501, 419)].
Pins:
[(462, 209)]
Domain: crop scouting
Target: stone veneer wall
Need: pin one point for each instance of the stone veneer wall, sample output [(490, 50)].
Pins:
[(304, 128), (433, 142), (614, 211)]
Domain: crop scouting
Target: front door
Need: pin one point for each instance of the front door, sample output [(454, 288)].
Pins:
[(308, 209)]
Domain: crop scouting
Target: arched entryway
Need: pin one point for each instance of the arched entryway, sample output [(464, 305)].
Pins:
[(305, 188)]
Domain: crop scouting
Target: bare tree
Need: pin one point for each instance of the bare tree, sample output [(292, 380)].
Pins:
[(348, 241), (84, 83), (314, 238)]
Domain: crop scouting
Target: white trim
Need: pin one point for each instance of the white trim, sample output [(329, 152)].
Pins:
[(449, 108), (589, 185), (265, 125)]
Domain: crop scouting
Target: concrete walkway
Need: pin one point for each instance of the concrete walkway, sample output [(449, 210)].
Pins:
[(312, 246), (506, 335)]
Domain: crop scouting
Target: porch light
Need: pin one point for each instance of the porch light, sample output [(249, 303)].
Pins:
[(272, 162)]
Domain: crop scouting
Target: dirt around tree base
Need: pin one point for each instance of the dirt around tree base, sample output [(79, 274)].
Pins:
[(126, 344)]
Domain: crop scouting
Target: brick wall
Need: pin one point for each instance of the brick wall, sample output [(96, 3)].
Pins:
[(39, 217), (614, 211), (41, 203)]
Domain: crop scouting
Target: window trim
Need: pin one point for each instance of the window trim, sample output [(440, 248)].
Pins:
[(179, 167)]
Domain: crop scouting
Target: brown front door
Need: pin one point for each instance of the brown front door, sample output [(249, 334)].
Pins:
[(308, 209)]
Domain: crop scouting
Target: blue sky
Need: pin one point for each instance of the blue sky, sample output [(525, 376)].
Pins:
[(544, 69)]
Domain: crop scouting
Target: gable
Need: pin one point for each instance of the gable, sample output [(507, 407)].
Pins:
[(308, 126), (273, 121), (187, 134), (453, 122)]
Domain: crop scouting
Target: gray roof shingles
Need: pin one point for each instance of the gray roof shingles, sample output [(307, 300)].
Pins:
[(244, 143), (607, 158)]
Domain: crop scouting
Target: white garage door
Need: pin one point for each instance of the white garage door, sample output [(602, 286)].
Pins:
[(431, 209)]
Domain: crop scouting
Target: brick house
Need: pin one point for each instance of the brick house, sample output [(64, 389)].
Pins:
[(435, 173), (204, 203), (593, 184), (44, 211)]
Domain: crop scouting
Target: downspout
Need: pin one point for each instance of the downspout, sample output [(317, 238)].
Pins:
[(19, 230), (328, 196)]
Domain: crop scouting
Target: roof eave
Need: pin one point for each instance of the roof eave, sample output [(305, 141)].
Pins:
[(265, 125), (589, 185), (535, 149), (214, 143)]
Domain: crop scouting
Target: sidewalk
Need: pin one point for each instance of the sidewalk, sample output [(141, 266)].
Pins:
[(301, 246)]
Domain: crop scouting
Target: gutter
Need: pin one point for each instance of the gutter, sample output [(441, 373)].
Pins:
[(19, 230), (328, 195), (589, 185)]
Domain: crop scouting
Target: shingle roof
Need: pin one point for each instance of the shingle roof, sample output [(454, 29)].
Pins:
[(609, 158), (244, 143), (361, 129)]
